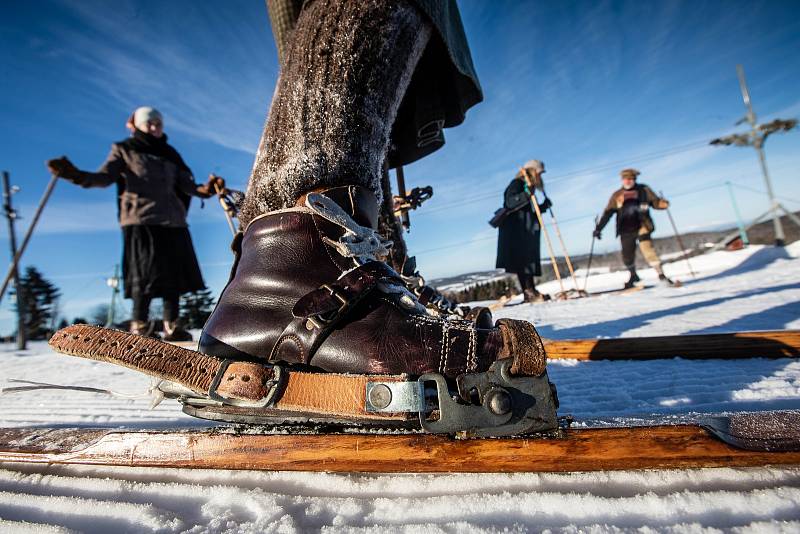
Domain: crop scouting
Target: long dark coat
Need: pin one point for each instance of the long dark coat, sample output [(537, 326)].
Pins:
[(153, 188), (518, 243)]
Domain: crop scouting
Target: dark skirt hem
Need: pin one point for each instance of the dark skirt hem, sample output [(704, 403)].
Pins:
[(159, 261)]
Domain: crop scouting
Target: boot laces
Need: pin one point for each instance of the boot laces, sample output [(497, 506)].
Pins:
[(359, 242)]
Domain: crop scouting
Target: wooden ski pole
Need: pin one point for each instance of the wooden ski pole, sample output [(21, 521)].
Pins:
[(678, 238), (401, 190), (222, 203), (563, 245), (28, 234), (589, 264), (535, 205)]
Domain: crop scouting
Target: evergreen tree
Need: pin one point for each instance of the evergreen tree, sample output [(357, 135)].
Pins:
[(196, 307), (41, 303)]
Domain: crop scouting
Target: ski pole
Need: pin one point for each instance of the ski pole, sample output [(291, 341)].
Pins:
[(28, 234), (678, 238), (220, 193), (535, 205), (563, 245), (589, 264)]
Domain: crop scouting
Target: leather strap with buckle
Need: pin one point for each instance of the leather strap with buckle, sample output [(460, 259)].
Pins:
[(493, 403), (318, 312)]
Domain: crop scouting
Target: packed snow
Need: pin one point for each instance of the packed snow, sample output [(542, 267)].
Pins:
[(752, 289)]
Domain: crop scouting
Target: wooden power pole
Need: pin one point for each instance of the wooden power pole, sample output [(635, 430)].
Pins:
[(11, 216)]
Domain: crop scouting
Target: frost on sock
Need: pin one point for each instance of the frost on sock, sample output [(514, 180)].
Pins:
[(346, 71)]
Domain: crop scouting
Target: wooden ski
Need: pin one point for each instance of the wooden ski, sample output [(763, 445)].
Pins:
[(657, 447), (737, 345)]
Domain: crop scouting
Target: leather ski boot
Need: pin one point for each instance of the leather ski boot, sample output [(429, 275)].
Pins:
[(313, 329), (533, 296), (306, 292), (143, 328), (633, 279), (173, 331), (437, 303)]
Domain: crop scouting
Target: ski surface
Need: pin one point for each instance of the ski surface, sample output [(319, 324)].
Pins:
[(736, 345), (276, 448)]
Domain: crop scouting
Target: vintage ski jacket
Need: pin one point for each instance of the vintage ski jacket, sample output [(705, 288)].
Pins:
[(632, 208)]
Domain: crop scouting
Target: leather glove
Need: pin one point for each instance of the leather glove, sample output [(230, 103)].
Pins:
[(546, 205), (63, 168), (214, 180), (597, 234), (209, 189)]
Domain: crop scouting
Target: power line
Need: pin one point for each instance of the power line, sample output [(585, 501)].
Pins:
[(761, 191), (578, 173)]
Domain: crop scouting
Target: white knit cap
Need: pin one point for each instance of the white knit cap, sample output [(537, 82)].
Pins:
[(534, 164), (145, 114)]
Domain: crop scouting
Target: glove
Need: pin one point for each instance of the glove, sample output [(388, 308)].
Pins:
[(214, 180), (546, 205), (597, 234), (209, 189), (63, 168)]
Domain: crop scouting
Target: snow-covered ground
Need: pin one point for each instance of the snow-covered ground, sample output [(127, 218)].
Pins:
[(757, 288)]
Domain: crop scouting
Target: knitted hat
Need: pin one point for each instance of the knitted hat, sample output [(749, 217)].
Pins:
[(534, 165), (633, 173), (145, 114)]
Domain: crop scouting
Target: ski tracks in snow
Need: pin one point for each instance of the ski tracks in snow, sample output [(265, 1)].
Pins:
[(89, 499)]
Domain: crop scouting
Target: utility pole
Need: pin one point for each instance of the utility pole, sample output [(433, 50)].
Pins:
[(11, 215), (739, 223), (113, 283), (756, 137)]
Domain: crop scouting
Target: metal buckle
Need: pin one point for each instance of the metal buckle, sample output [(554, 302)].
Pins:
[(508, 405), (263, 403), (319, 320)]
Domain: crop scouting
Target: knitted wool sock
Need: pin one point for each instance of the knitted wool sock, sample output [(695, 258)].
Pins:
[(346, 70)]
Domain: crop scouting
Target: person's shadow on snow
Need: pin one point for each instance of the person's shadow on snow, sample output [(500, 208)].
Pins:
[(771, 318)]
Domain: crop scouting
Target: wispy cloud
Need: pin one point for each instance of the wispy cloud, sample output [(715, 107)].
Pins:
[(139, 59)]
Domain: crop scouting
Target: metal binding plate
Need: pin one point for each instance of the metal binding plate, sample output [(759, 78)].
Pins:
[(508, 405), (395, 397)]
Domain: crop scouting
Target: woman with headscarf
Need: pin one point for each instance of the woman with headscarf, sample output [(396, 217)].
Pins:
[(154, 189), (518, 242)]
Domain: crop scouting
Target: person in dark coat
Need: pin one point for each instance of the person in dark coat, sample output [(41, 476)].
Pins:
[(518, 242), (631, 204), (154, 188)]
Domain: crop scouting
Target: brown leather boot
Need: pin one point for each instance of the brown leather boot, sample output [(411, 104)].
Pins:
[(306, 290), (437, 303)]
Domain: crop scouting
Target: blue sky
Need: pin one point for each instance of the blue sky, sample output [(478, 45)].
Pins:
[(588, 87)]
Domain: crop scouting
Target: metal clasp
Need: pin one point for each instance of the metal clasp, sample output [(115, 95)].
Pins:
[(273, 385), (323, 319)]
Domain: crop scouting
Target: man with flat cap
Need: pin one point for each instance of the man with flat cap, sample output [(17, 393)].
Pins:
[(631, 204), (518, 242)]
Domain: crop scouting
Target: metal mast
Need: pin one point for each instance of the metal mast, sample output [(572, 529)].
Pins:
[(756, 137)]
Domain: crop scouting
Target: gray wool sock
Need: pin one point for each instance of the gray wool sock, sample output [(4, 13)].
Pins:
[(346, 70)]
